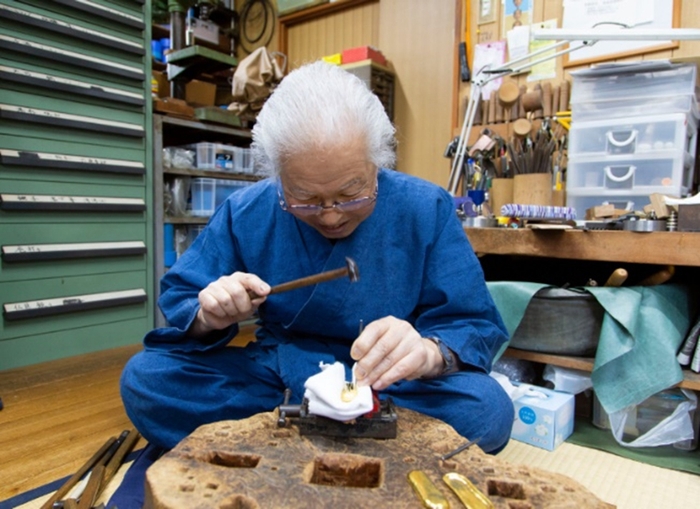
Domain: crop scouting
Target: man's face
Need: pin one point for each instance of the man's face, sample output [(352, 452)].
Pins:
[(330, 176)]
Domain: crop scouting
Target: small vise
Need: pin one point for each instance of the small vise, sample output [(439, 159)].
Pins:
[(379, 423)]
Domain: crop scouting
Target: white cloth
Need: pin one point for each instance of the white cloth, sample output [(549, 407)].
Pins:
[(323, 393)]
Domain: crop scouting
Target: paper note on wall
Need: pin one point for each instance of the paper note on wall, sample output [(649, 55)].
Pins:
[(489, 55), (547, 69)]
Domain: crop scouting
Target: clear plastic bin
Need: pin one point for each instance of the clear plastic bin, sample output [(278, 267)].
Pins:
[(214, 156), (616, 90), (207, 194), (665, 172), (636, 135), (243, 160)]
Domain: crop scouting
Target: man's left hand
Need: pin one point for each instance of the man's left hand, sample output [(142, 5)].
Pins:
[(389, 350)]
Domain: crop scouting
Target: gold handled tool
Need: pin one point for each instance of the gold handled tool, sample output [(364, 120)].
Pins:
[(465, 490), (617, 277), (350, 270), (427, 491)]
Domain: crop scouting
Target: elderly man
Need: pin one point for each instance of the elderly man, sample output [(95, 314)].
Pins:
[(431, 328)]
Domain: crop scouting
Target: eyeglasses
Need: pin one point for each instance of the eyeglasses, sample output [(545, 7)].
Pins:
[(340, 206)]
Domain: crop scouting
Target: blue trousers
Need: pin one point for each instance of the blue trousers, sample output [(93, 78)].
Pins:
[(167, 393)]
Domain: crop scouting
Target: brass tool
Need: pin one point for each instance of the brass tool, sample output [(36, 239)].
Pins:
[(465, 490), (349, 391), (350, 270), (427, 491)]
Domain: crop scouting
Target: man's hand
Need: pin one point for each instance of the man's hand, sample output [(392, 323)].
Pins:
[(389, 350), (226, 301)]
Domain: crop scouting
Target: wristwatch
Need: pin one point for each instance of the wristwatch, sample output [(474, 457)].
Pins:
[(447, 356)]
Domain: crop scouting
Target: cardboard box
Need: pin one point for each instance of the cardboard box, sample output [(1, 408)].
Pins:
[(200, 93), (197, 93), (363, 53), (543, 418)]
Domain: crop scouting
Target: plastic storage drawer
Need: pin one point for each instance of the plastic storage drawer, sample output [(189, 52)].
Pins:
[(639, 135), (208, 194), (665, 172), (582, 200), (243, 160), (620, 90)]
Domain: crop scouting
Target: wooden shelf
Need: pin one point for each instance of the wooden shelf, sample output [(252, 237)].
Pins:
[(192, 172), (664, 248), (186, 220), (690, 381)]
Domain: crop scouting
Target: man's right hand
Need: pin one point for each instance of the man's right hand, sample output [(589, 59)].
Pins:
[(227, 301)]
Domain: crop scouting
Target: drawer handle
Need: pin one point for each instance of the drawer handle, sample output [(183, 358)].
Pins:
[(630, 172), (623, 143)]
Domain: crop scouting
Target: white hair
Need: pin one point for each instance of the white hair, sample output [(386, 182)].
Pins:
[(316, 106)]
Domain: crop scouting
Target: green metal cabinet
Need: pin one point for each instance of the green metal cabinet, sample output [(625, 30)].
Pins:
[(76, 215)]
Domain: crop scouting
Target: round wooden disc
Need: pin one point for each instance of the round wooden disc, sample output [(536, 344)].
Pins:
[(508, 93), (522, 127)]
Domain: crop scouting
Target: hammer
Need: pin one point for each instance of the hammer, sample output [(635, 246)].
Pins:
[(349, 270)]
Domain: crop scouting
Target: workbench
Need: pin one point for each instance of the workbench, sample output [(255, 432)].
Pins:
[(680, 249)]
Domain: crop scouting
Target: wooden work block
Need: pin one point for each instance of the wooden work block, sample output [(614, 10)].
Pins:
[(600, 212), (659, 206), (253, 463)]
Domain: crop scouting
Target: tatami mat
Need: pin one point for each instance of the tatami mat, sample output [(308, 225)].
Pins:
[(623, 482)]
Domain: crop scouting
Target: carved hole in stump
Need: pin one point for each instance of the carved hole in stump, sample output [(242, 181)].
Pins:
[(346, 470), (239, 501), (227, 459), (506, 489)]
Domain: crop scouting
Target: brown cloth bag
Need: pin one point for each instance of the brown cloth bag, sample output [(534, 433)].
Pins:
[(255, 78)]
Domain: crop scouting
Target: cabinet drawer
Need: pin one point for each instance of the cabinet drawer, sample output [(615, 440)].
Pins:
[(70, 118), (41, 347), (70, 155), (50, 233), (74, 302)]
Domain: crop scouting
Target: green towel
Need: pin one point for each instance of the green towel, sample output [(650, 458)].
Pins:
[(642, 329)]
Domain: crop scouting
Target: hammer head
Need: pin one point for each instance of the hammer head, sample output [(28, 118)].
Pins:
[(353, 271)]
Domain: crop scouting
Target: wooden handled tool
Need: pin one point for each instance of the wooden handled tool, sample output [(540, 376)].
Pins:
[(617, 277), (547, 100), (660, 277), (63, 490), (350, 270)]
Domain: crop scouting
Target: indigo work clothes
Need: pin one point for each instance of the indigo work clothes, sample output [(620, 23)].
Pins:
[(415, 264)]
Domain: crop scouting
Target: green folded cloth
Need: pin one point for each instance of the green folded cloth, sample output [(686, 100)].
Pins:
[(642, 329)]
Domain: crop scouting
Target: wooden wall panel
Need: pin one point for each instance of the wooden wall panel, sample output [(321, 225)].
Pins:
[(418, 38), (308, 41)]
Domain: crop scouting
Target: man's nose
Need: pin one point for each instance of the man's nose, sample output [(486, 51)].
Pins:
[(329, 215)]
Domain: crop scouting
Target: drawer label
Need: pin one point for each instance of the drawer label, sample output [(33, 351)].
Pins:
[(56, 202)]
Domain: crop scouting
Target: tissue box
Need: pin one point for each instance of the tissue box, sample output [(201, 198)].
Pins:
[(543, 418)]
